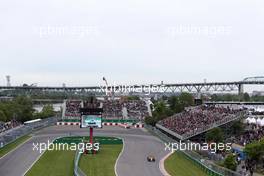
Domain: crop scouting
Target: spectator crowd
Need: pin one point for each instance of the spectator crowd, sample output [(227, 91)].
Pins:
[(253, 132), (4, 126), (73, 108), (136, 109), (200, 118), (113, 109)]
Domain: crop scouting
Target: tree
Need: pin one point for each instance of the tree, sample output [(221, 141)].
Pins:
[(133, 98), (237, 128), (46, 112), (177, 104), (3, 117), (246, 97), (168, 112), (173, 102), (255, 150), (22, 108), (225, 97), (257, 98), (186, 99), (230, 162), (215, 97), (214, 135), (150, 121), (161, 110)]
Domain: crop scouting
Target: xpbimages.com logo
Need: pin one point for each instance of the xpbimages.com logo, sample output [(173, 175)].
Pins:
[(50, 146), (147, 89), (212, 147)]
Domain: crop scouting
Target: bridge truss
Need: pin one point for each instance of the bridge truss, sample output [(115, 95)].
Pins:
[(213, 87)]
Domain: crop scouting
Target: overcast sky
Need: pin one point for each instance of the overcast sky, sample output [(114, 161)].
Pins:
[(77, 42)]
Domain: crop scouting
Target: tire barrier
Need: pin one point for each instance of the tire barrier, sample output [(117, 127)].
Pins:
[(124, 125), (105, 120), (139, 125)]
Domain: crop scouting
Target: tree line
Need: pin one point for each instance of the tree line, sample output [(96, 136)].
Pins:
[(38, 94), (21, 109), (167, 106), (235, 97)]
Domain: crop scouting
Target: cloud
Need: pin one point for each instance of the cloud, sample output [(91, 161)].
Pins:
[(130, 41)]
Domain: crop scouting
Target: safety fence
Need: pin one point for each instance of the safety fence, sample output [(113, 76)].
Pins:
[(208, 166), (12, 135)]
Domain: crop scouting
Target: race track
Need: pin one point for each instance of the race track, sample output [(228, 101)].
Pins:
[(138, 144)]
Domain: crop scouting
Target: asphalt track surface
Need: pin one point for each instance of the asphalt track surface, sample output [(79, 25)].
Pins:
[(138, 144)]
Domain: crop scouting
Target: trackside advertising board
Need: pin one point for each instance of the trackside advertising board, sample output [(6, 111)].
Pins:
[(94, 121)]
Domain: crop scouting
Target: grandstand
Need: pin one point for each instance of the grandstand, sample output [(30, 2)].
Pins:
[(71, 109), (136, 109), (194, 121), (113, 109)]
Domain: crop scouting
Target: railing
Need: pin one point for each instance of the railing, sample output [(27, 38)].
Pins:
[(11, 136), (77, 170), (208, 166), (169, 131)]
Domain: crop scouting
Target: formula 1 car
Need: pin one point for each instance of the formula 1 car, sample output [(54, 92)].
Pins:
[(151, 158)]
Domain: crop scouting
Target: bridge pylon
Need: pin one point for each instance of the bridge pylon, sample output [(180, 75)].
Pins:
[(241, 89)]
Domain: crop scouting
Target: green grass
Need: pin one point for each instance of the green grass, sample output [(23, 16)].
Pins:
[(54, 163), (61, 162), (13, 145), (178, 165), (101, 164)]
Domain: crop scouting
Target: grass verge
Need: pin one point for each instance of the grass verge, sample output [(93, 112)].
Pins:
[(103, 163), (178, 165), (61, 162), (54, 163)]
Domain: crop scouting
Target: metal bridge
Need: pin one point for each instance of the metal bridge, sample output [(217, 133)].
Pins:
[(254, 79), (224, 87)]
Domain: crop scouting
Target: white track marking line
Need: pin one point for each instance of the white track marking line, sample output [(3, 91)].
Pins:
[(38, 158), (119, 156), (34, 162), (15, 148), (161, 164)]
